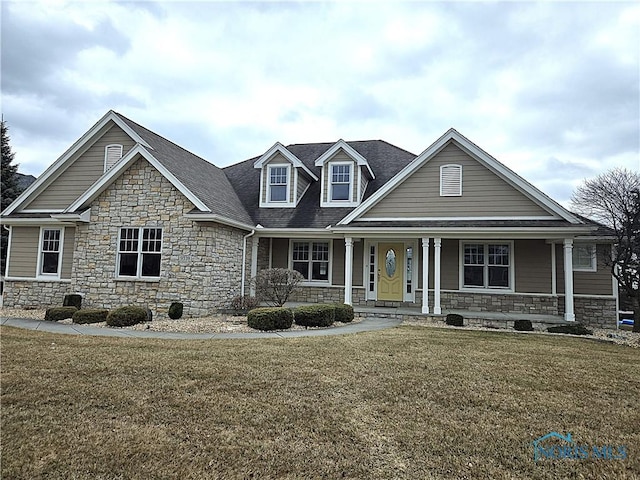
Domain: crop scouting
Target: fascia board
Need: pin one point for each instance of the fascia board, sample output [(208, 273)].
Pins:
[(30, 221), (465, 232), (213, 217), (42, 181)]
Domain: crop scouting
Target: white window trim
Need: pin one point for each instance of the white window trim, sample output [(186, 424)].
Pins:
[(39, 273), (267, 188), (512, 267), (594, 260), (326, 177), (138, 275), (310, 241), (106, 155), (459, 168)]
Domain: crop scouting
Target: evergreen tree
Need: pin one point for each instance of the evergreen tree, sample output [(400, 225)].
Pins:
[(10, 189)]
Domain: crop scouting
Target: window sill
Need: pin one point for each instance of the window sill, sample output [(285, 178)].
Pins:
[(486, 289), (315, 283), (138, 279), (585, 269)]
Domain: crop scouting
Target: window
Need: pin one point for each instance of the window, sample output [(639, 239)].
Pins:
[(50, 247), (451, 180), (139, 252), (486, 265), (584, 257), (340, 182), (278, 184), (409, 269), (112, 153), (311, 259)]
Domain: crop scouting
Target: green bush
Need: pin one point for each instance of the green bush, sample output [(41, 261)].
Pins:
[(314, 315), (175, 310), (574, 329), (270, 318), (126, 316), (72, 300), (90, 315), (523, 325), (59, 313), (455, 320), (343, 313)]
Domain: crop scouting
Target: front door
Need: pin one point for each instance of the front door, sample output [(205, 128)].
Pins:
[(390, 271)]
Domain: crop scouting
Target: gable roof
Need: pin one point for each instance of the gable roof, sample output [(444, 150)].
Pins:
[(279, 148), (344, 146), (385, 159), (478, 154)]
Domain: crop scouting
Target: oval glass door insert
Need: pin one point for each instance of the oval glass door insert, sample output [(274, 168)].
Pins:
[(390, 263)]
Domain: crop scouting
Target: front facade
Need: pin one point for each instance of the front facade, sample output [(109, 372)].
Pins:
[(127, 217)]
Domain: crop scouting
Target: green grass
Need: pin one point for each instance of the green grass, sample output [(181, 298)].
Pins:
[(408, 402)]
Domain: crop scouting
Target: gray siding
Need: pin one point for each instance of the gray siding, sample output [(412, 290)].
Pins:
[(302, 185), (532, 260), (483, 193), (449, 269), (67, 252), (81, 174), (338, 262), (23, 259), (358, 248), (280, 253), (587, 283)]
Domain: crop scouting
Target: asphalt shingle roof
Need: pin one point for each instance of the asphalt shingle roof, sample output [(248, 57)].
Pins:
[(203, 179)]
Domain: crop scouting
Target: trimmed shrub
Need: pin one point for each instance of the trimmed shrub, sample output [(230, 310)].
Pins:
[(244, 303), (343, 313), (126, 316), (575, 329), (455, 320), (90, 315), (270, 318), (523, 325), (72, 300), (314, 315), (175, 310), (59, 313)]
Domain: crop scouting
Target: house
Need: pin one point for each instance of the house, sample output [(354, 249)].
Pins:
[(125, 216)]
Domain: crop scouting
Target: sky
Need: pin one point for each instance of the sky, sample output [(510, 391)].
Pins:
[(550, 89)]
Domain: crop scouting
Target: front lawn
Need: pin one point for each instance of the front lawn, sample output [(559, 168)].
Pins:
[(408, 402)]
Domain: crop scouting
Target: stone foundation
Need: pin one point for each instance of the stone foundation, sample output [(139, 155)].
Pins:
[(20, 294), (593, 311), (505, 303)]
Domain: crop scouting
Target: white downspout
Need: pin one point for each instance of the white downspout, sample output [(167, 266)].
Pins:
[(244, 260)]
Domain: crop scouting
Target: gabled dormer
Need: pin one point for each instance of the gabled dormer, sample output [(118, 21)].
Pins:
[(283, 178), (345, 176)]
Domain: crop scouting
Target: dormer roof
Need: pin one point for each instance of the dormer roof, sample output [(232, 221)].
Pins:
[(279, 148), (347, 149)]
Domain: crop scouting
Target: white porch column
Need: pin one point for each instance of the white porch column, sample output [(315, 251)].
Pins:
[(437, 243), (568, 280), (348, 270), (425, 275), (254, 264)]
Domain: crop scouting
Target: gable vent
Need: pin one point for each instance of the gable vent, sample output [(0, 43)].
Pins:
[(112, 154), (451, 180)]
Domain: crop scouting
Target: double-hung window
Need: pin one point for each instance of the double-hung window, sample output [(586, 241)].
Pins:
[(50, 251), (278, 183), (311, 259), (584, 257), (139, 252), (340, 182), (487, 265)]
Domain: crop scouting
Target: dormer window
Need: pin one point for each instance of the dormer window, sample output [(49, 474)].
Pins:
[(278, 183), (451, 181), (112, 153), (341, 182)]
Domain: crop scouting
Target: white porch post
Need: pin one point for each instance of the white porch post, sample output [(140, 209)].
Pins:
[(437, 243), (348, 270), (425, 275), (568, 280), (254, 265)]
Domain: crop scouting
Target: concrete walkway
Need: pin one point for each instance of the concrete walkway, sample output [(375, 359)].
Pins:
[(367, 325)]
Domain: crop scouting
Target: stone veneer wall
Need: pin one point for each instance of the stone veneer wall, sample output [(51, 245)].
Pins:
[(326, 295), (21, 294), (508, 303), (201, 262), (595, 312)]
